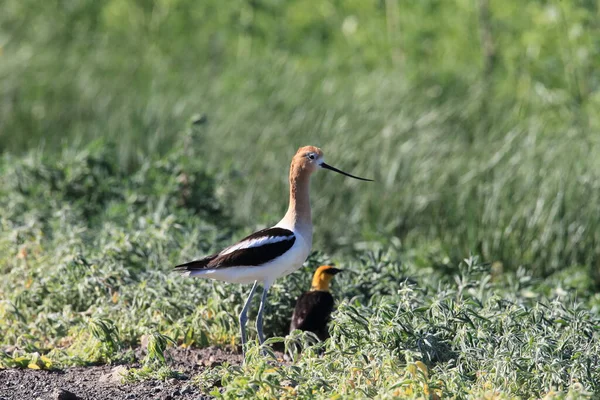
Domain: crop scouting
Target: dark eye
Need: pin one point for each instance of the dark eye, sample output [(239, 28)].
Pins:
[(312, 156)]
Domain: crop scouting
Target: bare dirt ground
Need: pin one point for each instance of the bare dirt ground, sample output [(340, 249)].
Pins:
[(103, 382)]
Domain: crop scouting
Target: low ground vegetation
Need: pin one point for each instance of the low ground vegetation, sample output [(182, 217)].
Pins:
[(88, 280), (136, 135)]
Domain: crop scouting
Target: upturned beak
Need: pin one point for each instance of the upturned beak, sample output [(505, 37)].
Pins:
[(326, 166)]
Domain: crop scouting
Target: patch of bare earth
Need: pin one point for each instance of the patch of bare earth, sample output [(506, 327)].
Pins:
[(104, 382)]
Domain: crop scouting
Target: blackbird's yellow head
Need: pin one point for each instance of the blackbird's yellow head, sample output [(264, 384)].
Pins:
[(322, 277)]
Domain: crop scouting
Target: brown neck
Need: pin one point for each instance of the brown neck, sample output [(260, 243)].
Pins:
[(299, 208)]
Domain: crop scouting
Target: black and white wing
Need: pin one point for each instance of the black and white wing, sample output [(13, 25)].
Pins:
[(254, 250)]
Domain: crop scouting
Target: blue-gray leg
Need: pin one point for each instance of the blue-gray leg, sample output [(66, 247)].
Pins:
[(259, 318), (244, 316)]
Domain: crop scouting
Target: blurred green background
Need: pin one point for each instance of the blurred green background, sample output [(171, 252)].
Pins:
[(478, 119)]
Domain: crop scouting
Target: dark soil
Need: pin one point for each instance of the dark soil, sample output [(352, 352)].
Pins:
[(102, 382)]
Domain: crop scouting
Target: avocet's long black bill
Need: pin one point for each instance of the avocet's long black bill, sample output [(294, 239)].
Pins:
[(326, 166)]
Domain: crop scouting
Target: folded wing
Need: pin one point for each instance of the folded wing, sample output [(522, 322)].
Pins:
[(257, 249), (312, 313)]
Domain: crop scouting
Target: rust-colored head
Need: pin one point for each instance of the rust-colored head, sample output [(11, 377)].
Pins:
[(309, 159), (323, 276)]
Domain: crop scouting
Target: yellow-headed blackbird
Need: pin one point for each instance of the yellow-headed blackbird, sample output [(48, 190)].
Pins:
[(313, 309)]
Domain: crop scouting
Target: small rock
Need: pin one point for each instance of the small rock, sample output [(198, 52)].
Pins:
[(62, 394), (115, 375), (130, 396), (210, 362), (158, 389), (172, 381), (186, 389)]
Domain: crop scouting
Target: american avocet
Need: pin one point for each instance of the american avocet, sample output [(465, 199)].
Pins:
[(273, 252), (313, 309)]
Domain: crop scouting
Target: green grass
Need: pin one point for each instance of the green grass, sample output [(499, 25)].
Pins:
[(501, 164), (88, 274), (137, 135)]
